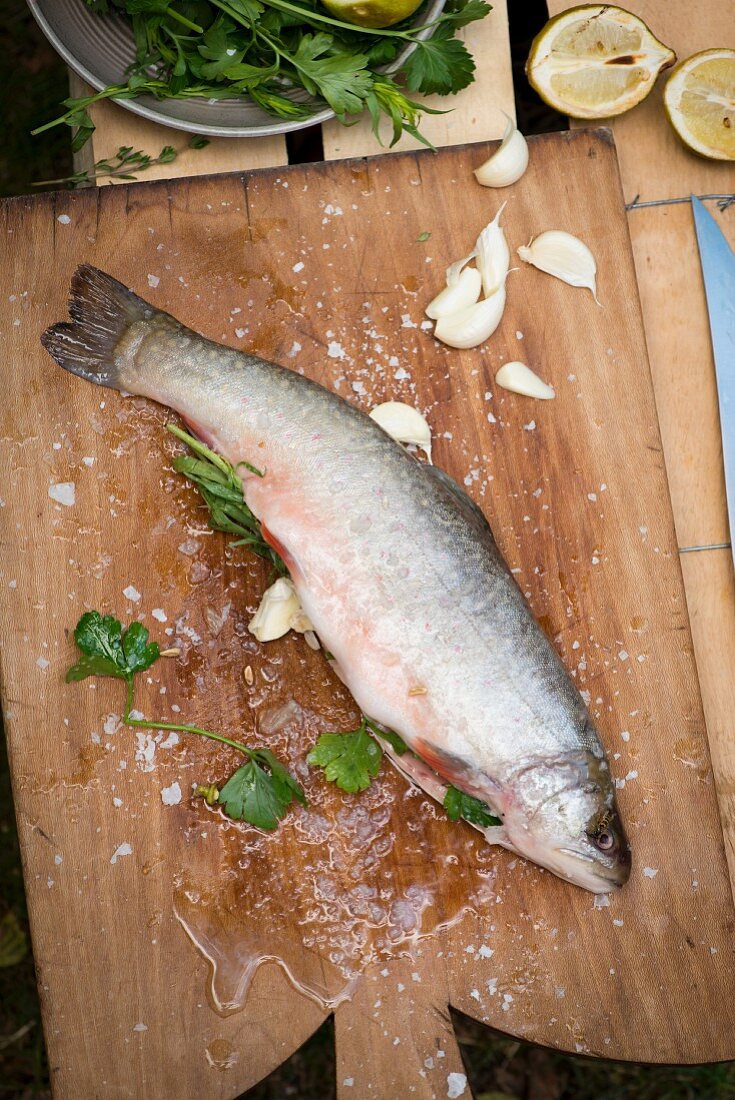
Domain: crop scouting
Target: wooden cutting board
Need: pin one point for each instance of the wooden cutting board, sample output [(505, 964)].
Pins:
[(178, 952)]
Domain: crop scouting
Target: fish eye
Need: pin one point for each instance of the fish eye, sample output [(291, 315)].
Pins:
[(605, 840)]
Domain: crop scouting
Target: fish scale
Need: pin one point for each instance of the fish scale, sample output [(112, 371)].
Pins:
[(396, 568)]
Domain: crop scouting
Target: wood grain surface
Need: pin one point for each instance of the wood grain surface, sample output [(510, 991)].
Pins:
[(656, 168), (375, 906)]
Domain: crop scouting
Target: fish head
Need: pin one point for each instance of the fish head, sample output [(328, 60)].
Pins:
[(561, 814)]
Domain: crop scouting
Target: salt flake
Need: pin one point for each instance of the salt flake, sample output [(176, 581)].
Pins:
[(63, 492)]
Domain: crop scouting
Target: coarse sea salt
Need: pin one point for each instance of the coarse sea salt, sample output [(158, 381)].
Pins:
[(171, 796), (131, 593), (63, 492), (124, 849), (456, 1085)]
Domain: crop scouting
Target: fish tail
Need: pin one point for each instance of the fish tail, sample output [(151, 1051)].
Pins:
[(101, 310)]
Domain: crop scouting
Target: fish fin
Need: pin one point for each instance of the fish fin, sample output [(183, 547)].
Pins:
[(470, 510), (101, 311), (451, 768)]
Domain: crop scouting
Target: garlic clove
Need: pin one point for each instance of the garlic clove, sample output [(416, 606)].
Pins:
[(493, 255), (519, 378), (455, 270), (508, 162), (404, 424), (564, 256), (279, 611), (473, 325), (464, 292)]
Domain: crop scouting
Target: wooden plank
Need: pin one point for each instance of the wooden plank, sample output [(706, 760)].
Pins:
[(116, 126), (710, 589), (577, 495), (677, 333), (473, 115)]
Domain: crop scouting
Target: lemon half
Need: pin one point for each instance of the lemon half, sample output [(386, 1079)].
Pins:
[(371, 13), (595, 61), (700, 101)]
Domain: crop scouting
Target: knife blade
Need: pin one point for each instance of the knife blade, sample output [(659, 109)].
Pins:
[(718, 271)]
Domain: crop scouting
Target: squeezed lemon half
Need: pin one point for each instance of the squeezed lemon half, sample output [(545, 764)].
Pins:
[(699, 99), (595, 61)]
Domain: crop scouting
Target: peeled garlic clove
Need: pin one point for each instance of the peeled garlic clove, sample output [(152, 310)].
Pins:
[(404, 424), (519, 378), (493, 255), (461, 294), (472, 326), (564, 256), (508, 163), (280, 610), (455, 270)]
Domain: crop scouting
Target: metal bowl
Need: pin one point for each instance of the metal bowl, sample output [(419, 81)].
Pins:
[(100, 48)]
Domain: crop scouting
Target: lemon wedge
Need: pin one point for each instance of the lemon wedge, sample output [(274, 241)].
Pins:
[(371, 13), (699, 99), (595, 61)]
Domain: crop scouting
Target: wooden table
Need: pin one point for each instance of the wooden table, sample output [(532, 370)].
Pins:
[(656, 174)]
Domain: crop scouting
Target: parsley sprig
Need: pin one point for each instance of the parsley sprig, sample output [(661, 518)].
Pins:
[(260, 791), (221, 489), (265, 50), (122, 165)]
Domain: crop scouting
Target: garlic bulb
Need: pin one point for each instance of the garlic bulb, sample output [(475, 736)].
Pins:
[(519, 378), (508, 162), (458, 295), (564, 256), (473, 325), (280, 610), (404, 424), (493, 255)]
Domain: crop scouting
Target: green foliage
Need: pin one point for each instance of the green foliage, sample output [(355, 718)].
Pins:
[(107, 651), (460, 805), (351, 760), (260, 791), (226, 49)]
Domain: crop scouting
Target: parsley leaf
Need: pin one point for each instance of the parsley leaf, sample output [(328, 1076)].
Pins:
[(440, 64), (397, 743), (340, 77), (107, 651), (351, 760), (252, 795), (458, 804)]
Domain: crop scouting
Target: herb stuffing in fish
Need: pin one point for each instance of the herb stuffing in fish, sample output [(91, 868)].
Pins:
[(398, 572)]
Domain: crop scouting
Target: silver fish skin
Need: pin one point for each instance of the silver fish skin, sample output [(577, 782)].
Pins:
[(396, 568)]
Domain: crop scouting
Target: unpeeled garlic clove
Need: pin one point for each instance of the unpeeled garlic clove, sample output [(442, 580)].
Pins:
[(404, 424), (508, 162), (279, 611), (493, 255), (519, 378), (472, 326), (564, 256), (458, 295)]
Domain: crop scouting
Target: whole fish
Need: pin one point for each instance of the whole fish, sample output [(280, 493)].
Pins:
[(396, 568)]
